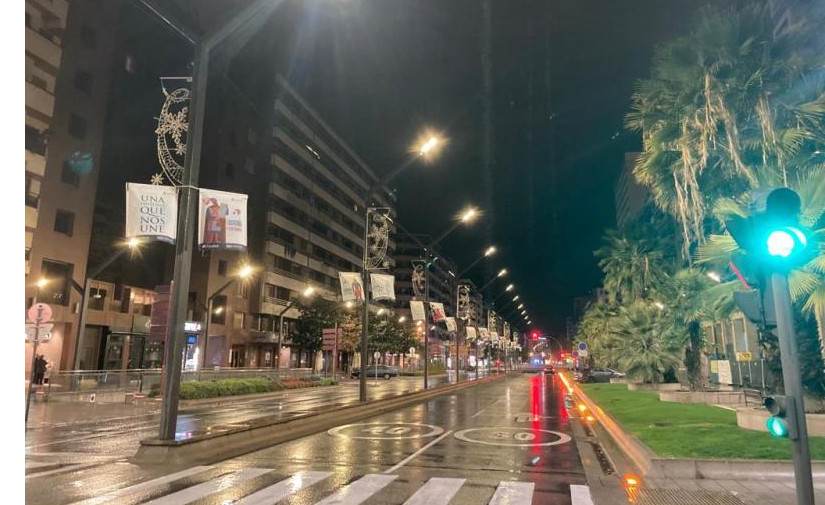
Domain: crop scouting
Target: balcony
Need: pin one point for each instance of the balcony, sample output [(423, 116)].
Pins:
[(60, 8), (43, 48), (35, 163), (39, 99), (31, 216)]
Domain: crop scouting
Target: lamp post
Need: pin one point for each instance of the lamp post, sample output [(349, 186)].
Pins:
[(308, 292), (242, 274), (131, 245)]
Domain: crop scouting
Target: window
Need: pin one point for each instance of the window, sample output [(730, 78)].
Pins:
[(219, 310), (69, 175), (282, 293), (249, 166), (32, 192), (77, 127), (251, 136), (35, 140), (238, 320), (88, 37), (83, 81), (269, 291), (56, 290), (243, 290), (230, 171), (64, 222), (97, 298), (129, 65), (222, 268)]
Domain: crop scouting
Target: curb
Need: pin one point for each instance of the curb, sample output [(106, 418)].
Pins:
[(652, 466), (265, 432)]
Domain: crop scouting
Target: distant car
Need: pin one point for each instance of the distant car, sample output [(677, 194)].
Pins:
[(601, 375), (384, 371), (549, 370)]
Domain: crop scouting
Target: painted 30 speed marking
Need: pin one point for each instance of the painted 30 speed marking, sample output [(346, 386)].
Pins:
[(386, 431), (513, 437)]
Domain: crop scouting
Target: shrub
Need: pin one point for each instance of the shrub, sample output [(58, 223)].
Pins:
[(193, 390), (327, 381)]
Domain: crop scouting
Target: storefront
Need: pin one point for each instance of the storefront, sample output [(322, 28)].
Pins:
[(130, 348)]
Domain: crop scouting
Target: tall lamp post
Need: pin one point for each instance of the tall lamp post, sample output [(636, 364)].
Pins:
[(131, 245), (242, 275)]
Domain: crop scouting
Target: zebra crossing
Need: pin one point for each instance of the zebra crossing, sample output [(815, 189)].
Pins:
[(168, 490)]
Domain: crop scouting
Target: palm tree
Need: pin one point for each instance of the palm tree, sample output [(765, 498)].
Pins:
[(639, 345), (594, 329), (631, 266)]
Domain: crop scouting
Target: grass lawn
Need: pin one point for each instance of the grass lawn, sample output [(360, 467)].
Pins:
[(690, 431)]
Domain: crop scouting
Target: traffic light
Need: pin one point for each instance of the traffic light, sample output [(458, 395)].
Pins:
[(782, 422)]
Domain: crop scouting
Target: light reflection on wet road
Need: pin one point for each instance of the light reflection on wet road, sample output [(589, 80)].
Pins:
[(502, 443)]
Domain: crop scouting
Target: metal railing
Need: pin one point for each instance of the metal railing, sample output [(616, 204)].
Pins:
[(143, 380)]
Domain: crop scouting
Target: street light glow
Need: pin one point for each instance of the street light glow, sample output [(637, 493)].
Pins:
[(381, 312), (428, 146), (510, 287), (402, 319), (502, 272), (133, 242), (490, 251), (520, 306), (42, 282), (715, 276), (469, 215), (515, 298), (309, 291), (659, 305), (245, 271), (348, 305)]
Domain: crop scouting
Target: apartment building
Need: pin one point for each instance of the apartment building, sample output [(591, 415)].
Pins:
[(67, 74)]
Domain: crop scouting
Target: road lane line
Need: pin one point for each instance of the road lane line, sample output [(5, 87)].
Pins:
[(144, 485), (277, 492), (580, 495), (199, 491), (418, 452), (64, 469), (477, 414), (513, 493), (358, 491), (437, 491)]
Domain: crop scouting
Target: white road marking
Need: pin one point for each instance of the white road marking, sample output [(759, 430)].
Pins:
[(59, 470), (513, 493), (277, 492), (358, 491), (477, 414), (37, 464), (580, 495), (144, 485), (437, 491), (416, 453), (199, 491)]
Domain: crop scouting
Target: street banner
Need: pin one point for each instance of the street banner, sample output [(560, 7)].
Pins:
[(438, 311), (417, 311), (494, 336), (471, 333), (222, 220), (506, 331), (352, 289), (491, 320), (450, 322), (725, 376), (485, 333), (383, 286), (151, 212)]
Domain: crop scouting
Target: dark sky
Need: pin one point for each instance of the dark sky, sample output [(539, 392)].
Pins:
[(380, 71)]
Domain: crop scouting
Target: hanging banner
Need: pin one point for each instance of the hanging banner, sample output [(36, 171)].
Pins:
[(491, 320), (485, 333), (352, 289), (151, 212), (506, 331), (383, 286), (222, 220), (471, 333), (438, 311), (450, 322), (417, 311)]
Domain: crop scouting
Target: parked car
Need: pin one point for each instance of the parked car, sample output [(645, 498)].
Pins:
[(600, 375), (384, 371)]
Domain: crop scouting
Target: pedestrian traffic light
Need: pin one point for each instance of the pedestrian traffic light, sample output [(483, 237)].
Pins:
[(781, 423)]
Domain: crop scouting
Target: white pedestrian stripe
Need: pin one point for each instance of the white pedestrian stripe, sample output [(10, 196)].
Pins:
[(137, 488), (277, 492), (437, 491), (513, 493), (358, 491), (197, 492), (580, 495)]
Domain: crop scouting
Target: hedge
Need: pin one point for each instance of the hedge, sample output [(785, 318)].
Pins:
[(195, 390)]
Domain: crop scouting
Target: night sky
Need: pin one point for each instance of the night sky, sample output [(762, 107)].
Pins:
[(381, 71)]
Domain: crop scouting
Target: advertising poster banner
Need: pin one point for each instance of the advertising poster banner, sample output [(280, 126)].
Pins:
[(485, 333), (383, 286), (494, 336), (151, 212), (471, 333), (417, 311), (450, 322), (438, 311), (352, 289), (222, 220), (506, 331)]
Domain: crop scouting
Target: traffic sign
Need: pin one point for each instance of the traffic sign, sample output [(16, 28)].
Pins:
[(41, 311), (43, 334), (376, 355), (575, 354), (744, 357), (582, 346)]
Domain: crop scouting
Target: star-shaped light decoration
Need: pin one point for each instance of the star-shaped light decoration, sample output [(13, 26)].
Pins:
[(157, 179)]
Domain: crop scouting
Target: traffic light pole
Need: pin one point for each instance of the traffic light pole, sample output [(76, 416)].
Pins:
[(789, 354)]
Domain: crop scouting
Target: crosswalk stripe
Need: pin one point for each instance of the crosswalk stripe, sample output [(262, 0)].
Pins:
[(437, 491), (358, 491), (144, 485), (513, 493), (197, 492), (277, 492), (580, 495)]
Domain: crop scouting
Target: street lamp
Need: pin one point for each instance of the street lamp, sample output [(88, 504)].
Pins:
[(501, 273), (243, 274), (130, 245), (308, 292), (402, 319)]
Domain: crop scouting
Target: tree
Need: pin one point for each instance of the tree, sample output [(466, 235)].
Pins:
[(315, 317), (631, 265), (638, 344)]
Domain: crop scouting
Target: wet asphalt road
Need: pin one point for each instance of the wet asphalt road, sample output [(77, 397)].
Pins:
[(501, 443), (115, 430)]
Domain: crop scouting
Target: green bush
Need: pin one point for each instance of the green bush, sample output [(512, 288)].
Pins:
[(327, 381), (193, 390)]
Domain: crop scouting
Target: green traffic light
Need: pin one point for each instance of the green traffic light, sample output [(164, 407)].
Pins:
[(786, 241), (777, 427)]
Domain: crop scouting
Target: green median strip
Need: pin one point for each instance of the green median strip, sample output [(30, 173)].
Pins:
[(677, 430)]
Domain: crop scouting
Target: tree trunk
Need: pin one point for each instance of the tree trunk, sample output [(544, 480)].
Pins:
[(693, 356)]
